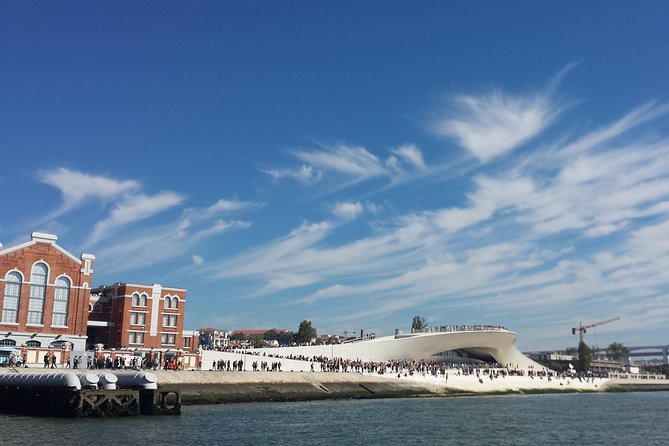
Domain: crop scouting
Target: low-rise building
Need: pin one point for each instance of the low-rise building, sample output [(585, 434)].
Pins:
[(147, 319), (213, 339)]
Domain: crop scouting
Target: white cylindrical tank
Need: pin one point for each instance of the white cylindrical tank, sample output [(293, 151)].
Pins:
[(89, 380), (54, 379), (144, 380), (107, 381)]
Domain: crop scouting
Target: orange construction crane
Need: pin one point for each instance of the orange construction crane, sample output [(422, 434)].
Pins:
[(582, 328)]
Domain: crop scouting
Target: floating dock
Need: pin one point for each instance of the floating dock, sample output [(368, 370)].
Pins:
[(86, 394)]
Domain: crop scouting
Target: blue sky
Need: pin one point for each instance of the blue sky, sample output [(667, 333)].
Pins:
[(351, 163)]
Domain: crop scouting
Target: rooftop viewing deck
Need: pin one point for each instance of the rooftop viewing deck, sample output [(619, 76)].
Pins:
[(452, 329)]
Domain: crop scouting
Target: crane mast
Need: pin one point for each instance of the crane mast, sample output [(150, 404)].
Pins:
[(582, 328)]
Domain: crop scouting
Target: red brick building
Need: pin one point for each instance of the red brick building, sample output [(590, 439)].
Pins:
[(145, 319), (46, 294)]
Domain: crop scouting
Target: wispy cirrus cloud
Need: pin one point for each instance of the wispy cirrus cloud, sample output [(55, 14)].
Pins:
[(495, 123), (225, 205), (597, 192), (78, 187), (272, 256), (491, 196), (133, 246), (220, 226), (153, 244), (640, 115), (303, 174), (411, 154), (162, 243), (353, 164), (351, 161), (133, 208), (348, 210)]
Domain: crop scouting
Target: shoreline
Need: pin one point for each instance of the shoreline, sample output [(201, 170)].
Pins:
[(215, 387), (222, 387)]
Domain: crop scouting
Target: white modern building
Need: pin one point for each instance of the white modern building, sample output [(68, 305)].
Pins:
[(488, 343)]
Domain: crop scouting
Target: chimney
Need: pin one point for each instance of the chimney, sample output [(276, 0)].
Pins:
[(87, 264)]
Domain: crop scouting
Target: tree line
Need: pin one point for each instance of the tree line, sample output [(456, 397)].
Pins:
[(305, 334)]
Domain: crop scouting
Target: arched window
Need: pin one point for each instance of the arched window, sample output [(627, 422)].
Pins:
[(33, 343), (142, 300), (175, 302), (38, 280), (90, 308), (168, 302), (135, 300), (7, 342), (10, 306), (61, 301)]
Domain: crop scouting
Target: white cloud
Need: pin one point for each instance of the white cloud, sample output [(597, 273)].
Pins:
[(134, 208), (640, 115), (347, 210), (274, 256), (601, 193), (491, 196), (305, 174), (493, 124), (343, 165), (77, 187), (652, 240), (224, 205), (347, 160), (159, 244), (411, 154), (221, 226)]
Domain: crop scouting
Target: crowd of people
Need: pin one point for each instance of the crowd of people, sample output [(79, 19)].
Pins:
[(453, 328), (406, 368)]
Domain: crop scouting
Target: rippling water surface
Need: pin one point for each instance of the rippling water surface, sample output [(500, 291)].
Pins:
[(579, 419)]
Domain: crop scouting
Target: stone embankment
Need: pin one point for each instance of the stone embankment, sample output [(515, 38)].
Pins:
[(213, 387), (636, 385), (206, 387)]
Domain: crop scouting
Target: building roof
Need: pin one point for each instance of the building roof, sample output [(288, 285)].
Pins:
[(41, 237), (138, 285), (208, 329), (258, 332)]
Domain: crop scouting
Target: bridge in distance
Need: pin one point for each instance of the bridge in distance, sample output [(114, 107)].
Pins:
[(646, 352)]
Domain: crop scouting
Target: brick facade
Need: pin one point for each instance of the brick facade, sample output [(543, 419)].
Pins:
[(142, 318), (46, 293)]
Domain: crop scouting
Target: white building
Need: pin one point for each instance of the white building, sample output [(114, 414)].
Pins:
[(493, 344)]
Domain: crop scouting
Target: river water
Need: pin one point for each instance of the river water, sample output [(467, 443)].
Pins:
[(560, 419)]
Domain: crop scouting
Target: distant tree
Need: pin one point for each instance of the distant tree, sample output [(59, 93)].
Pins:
[(418, 324), (305, 333), (257, 342), (584, 357), (239, 337), (617, 351), (282, 337)]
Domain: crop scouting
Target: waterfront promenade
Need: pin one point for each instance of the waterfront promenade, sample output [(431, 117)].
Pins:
[(297, 383)]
